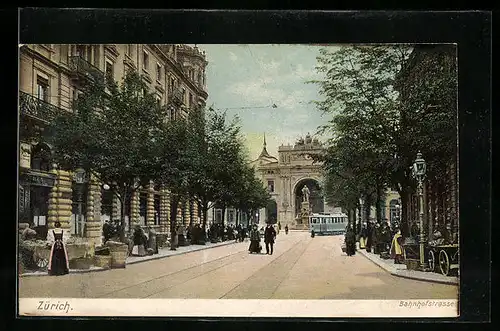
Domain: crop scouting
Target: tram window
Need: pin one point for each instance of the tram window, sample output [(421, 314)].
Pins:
[(314, 220), (324, 220)]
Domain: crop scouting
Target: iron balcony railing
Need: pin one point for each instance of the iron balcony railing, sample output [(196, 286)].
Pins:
[(82, 67), (37, 108)]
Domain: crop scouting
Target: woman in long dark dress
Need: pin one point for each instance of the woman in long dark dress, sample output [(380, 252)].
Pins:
[(58, 261), (254, 240)]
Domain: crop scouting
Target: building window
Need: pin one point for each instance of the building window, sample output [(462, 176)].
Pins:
[(64, 53), (172, 85), (129, 50), (145, 60), (42, 88), (183, 95), (270, 186), (172, 113), (158, 99), (218, 216), (106, 203), (40, 158), (158, 72), (191, 101), (109, 70)]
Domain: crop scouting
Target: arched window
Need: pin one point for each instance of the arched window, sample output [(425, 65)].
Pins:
[(41, 157)]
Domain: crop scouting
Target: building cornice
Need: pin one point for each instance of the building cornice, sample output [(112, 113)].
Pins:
[(174, 67)]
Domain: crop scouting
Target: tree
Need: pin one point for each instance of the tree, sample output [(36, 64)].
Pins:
[(387, 104), (113, 133), (216, 159), (358, 91), (252, 195)]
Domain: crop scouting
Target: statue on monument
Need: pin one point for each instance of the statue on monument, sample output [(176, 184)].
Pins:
[(305, 193)]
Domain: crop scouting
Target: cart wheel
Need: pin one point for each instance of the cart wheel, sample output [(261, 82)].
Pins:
[(444, 263), (42, 263), (432, 260)]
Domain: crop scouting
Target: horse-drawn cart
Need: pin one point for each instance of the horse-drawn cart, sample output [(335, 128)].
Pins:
[(443, 258)]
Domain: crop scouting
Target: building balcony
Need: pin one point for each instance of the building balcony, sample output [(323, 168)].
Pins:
[(83, 69), (33, 107)]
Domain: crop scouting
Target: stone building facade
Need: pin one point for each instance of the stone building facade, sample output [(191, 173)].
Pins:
[(50, 78), (285, 177)]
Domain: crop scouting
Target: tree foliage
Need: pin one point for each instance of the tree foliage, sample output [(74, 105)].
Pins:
[(113, 133), (386, 104)]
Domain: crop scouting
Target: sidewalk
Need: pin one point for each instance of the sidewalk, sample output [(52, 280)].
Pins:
[(400, 270), (162, 253)]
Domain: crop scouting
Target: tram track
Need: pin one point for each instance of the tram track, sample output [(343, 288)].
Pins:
[(262, 281), (155, 286), (170, 274), (246, 259)]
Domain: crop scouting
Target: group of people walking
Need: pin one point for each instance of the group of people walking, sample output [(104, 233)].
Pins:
[(269, 238), (379, 238)]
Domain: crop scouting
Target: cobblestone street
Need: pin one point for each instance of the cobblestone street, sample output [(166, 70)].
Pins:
[(300, 268)]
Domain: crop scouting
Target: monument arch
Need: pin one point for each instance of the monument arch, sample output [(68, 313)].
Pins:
[(285, 174)]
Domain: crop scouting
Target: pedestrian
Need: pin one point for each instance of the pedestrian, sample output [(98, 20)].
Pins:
[(362, 237), (350, 242), (397, 248), (286, 228), (269, 236), (58, 259), (254, 240), (369, 237)]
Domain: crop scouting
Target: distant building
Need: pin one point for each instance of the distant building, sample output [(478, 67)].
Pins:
[(285, 177), (50, 80)]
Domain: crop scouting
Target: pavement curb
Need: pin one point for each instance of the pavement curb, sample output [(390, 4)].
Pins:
[(404, 273), (74, 271), (180, 253)]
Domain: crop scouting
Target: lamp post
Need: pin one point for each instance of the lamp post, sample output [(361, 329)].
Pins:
[(80, 179), (418, 172)]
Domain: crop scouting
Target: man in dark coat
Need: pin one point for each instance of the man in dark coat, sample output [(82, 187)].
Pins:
[(269, 236)]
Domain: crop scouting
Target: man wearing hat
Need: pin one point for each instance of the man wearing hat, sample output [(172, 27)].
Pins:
[(269, 236)]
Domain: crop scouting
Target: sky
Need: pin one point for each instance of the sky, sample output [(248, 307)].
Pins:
[(254, 76)]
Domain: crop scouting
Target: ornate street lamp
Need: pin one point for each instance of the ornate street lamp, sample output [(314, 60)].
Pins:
[(80, 178), (418, 172)]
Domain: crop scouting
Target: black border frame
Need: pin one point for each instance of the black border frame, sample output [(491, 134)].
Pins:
[(470, 30)]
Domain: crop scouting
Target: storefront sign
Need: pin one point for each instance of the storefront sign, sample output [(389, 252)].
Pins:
[(39, 179)]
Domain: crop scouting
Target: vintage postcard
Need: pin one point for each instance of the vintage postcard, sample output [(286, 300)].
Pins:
[(238, 180)]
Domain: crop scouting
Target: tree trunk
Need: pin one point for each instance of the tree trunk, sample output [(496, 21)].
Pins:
[(205, 213), (122, 219), (403, 223), (123, 201), (173, 221), (378, 204), (191, 215), (354, 211), (367, 207), (223, 214)]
